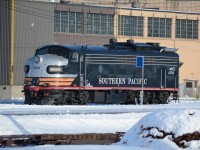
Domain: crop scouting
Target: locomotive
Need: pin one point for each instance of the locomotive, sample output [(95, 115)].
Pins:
[(116, 73)]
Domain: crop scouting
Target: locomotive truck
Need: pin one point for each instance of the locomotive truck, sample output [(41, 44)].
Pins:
[(108, 74)]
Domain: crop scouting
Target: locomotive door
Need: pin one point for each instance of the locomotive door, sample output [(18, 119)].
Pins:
[(163, 78), (168, 78), (81, 70)]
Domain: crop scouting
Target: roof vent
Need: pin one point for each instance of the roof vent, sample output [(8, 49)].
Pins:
[(130, 41), (65, 1), (135, 5), (172, 50), (154, 44), (112, 43), (85, 3)]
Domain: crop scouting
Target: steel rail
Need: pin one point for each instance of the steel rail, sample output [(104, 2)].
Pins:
[(60, 139)]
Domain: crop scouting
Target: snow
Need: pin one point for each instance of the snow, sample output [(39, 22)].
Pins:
[(138, 121), (176, 122), (67, 123)]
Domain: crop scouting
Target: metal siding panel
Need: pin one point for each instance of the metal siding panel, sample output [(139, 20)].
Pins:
[(4, 41), (34, 26), (101, 10), (85, 8)]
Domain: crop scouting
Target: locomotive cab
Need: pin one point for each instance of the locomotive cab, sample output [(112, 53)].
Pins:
[(46, 71)]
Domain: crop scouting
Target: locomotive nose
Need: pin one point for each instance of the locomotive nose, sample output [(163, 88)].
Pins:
[(47, 65)]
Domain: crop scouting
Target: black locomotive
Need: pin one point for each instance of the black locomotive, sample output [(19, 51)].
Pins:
[(119, 73)]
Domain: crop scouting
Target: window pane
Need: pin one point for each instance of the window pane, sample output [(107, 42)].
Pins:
[(78, 23), (130, 25), (159, 27), (65, 21), (100, 24), (188, 84), (187, 29), (57, 21)]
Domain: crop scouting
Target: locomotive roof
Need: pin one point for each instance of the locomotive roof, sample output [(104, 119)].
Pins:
[(116, 47)]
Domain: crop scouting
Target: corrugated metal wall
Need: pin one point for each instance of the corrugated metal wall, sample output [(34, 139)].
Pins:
[(34, 27), (4, 41)]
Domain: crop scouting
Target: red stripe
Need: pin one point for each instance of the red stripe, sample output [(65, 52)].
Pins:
[(37, 88)]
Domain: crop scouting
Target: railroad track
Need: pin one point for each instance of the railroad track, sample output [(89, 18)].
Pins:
[(60, 139), (57, 110)]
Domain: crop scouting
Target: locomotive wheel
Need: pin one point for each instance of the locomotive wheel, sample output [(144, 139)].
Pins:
[(28, 100), (84, 99), (148, 98), (130, 97), (59, 100), (163, 98), (45, 101)]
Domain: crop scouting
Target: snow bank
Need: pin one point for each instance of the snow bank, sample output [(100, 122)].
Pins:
[(169, 129)]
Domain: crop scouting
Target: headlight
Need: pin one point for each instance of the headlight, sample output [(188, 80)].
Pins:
[(26, 68), (37, 59), (35, 81), (55, 69)]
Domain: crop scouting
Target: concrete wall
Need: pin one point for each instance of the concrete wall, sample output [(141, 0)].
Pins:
[(8, 92), (5, 92)]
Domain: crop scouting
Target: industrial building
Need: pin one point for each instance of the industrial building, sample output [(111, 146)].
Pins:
[(28, 24)]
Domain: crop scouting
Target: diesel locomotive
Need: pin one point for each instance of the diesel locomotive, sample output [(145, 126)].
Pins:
[(116, 73)]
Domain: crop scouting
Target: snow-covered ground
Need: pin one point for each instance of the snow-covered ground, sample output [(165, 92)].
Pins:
[(16, 118)]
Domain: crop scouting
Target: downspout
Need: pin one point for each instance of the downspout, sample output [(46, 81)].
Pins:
[(12, 29)]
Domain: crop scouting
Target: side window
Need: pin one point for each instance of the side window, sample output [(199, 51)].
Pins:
[(42, 51), (74, 57), (60, 51)]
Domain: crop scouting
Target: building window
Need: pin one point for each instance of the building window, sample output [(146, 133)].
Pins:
[(100, 24), (186, 29), (66, 21), (159, 27), (188, 84), (130, 25), (57, 21)]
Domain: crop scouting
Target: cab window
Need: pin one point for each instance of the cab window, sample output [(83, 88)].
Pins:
[(42, 51), (60, 51), (74, 57), (56, 50)]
